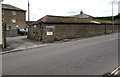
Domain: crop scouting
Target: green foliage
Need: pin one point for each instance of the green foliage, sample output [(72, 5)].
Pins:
[(118, 16), (105, 18), (29, 22), (109, 17)]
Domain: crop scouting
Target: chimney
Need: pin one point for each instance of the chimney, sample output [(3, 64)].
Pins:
[(81, 12)]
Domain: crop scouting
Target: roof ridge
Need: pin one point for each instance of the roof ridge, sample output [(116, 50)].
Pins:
[(61, 16)]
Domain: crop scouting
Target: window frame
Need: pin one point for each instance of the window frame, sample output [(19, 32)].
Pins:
[(13, 12), (13, 20)]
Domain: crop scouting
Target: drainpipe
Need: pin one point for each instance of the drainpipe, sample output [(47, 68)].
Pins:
[(4, 35)]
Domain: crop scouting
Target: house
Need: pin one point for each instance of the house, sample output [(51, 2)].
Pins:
[(82, 15), (52, 28), (14, 17)]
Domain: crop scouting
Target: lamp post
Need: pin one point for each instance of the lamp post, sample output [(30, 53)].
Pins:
[(113, 13), (112, 16), (119, 7)]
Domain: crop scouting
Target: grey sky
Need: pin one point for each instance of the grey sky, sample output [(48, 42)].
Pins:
[(40, 8)]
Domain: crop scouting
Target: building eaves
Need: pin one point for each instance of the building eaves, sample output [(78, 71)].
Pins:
[(10, 7)]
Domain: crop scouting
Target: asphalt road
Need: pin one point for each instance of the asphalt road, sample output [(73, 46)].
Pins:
[(93, 56)]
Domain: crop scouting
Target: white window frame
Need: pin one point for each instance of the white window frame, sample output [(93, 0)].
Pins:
[(13, 12), (13, 20)]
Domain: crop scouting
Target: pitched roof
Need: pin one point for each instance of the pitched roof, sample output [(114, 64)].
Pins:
[(82, 15), (10, 7), (66, 19)]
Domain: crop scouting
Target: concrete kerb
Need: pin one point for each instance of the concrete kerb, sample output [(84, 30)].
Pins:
[(20, 49), (39, 46)]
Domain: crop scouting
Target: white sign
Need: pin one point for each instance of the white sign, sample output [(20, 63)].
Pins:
[(49, 33), (50, 26)]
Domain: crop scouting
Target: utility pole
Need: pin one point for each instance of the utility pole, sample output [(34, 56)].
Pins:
[(1, 25), (1, 37), (28, 11)]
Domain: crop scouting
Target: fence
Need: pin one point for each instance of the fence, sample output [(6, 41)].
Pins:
[(12, 33)]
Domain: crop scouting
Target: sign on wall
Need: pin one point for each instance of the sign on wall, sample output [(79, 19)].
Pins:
[(50, 26), (49, 33)]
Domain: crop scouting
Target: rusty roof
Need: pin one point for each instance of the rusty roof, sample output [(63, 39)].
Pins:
[(11, 7)]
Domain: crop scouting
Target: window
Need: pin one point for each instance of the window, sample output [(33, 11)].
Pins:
[(13, 12), (2, 19), (2, 11), (17, 26), (9, 27), (13, 20)]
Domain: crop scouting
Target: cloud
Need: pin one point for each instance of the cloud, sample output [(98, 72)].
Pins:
[(40, 8)]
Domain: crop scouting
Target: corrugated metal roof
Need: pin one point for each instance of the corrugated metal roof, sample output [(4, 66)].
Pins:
[(10, 7)]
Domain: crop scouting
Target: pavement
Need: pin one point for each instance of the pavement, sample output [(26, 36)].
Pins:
[(93, 56), (21, 43)]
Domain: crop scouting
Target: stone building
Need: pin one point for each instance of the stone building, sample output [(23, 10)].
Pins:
[(14, 17), (52, 28)]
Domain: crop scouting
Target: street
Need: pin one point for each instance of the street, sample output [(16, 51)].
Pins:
[(92, 56)]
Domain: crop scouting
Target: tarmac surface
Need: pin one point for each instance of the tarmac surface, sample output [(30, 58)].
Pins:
[(93, 56)]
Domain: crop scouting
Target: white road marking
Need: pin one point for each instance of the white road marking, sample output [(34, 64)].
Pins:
[(113, 39)]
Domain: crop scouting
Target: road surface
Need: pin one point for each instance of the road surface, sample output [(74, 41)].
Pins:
[(93, 56)]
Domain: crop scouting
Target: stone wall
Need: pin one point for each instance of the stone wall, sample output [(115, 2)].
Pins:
[(52, 32), (34, 33)]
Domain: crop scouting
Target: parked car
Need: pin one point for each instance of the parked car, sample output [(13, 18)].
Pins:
[(23, 31)]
